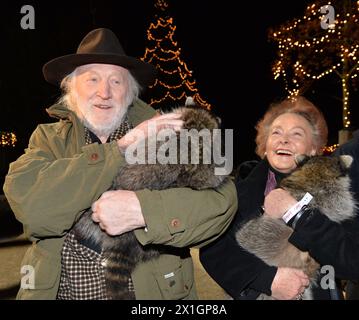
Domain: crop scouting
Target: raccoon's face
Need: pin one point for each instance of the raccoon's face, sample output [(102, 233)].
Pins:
[(334, 167), (201, 144), (327, 180), (198, 118), (318, 172)]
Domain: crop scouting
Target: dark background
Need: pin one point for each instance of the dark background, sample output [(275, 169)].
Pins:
[(224, 43)]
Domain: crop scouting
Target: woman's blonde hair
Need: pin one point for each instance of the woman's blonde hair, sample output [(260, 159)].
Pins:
[(298, 105)]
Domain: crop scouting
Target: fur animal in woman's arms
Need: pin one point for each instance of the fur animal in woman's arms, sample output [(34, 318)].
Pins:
[(327, 180)]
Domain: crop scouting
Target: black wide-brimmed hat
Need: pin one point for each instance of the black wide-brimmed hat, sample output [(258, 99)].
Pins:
[(98, 46)]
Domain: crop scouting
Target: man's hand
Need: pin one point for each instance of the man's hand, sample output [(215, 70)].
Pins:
[(277, 203), (118, 212), (289, 283), (150, 127)]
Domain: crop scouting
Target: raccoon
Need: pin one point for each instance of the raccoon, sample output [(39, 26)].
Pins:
[(327, 180), (124, 252)]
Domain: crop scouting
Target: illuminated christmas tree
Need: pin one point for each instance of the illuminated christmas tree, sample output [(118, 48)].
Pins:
[(174, 82), (324, 41)]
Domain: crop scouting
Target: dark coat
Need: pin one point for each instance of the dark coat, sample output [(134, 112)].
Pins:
[(328, 242), (240, 273), (352, 148), (244, 276)]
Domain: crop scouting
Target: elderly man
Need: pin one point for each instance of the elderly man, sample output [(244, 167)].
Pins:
[(70, 164)]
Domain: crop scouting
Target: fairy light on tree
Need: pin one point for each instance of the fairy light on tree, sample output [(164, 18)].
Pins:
[(324, 41), (330, 149), (7, 139), (174, 82)]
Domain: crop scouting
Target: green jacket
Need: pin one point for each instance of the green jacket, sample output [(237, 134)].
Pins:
[(59, 176)]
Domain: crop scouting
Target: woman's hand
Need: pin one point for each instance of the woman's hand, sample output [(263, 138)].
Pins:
[(277, 203), (289, 284)]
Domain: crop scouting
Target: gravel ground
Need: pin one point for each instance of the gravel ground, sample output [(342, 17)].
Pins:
[(207, 288)]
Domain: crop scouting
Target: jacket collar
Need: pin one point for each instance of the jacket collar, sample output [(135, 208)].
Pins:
[(59, 111)]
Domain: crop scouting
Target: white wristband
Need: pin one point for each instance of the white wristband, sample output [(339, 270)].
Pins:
[(297, 207)]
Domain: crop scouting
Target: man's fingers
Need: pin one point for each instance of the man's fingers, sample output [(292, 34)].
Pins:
[(158, 125), (95, 217), (169, 122), (106, 195), (94, 207), (97, 204), (170, 115)]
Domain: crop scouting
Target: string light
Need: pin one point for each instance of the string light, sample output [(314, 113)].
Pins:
[(330, 149), (7, 139), (174, 81), (308, 52)]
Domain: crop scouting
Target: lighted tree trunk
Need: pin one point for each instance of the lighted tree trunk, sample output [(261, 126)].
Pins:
[(324, 41)]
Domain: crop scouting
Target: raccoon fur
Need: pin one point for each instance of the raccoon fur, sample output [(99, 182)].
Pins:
[(327, 180), (124, 252)]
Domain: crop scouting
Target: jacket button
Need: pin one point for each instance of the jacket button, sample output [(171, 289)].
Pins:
[(175, 223), (94, 156)]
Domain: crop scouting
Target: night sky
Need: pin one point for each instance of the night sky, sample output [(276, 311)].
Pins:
[(225, 47)]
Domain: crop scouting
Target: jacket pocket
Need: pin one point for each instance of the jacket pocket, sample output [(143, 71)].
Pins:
[(174, 283), (39, 274)]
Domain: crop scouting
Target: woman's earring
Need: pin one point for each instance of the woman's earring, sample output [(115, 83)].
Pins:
[(265, 153)]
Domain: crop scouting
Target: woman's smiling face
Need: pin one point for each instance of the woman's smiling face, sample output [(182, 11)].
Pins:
[(289, 135)]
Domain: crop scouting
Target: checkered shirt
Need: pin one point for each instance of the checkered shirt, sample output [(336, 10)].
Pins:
[(83, 269)]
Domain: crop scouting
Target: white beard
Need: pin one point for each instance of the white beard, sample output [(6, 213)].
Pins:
[(103, 129)]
